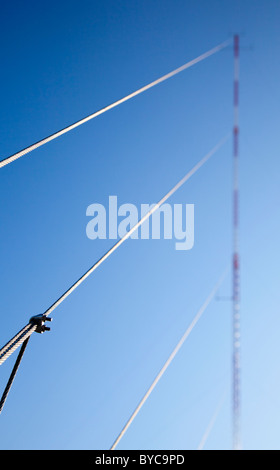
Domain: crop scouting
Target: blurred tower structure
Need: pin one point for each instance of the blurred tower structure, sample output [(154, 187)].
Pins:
[(236, 261)]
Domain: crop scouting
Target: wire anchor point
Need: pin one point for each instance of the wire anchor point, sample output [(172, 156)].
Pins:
[(39, 321)]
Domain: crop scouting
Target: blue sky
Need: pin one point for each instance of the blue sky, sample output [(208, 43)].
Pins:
[(79, 384)]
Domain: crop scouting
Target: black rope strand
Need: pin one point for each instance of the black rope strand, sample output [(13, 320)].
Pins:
[(13, 374)]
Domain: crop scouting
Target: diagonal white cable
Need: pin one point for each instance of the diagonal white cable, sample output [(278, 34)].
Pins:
[(170, 359), (136, 226), (187, 65), (211, 424), (13, 340), (16, 341)]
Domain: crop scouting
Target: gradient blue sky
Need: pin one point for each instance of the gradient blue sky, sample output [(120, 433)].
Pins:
[(77, 385)]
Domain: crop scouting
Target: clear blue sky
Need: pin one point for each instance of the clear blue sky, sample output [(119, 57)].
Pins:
[(77, 385)]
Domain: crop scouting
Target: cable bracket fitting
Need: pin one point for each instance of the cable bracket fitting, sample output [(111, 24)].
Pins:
[(39, 321)]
